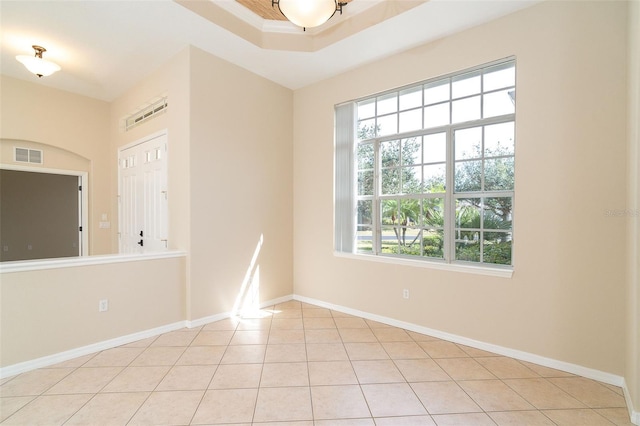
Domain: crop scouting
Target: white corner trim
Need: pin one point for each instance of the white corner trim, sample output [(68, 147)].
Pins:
[(46, 361), (634, 415)]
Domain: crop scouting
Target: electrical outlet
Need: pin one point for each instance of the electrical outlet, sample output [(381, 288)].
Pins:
[(103, 305), (405, 293)]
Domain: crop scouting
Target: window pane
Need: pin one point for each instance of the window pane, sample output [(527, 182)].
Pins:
[(497, 213), (437, 91), (389, 241), (466, 85), (390, 153), (366, 109), (387, 103), (366, 129), (498, 139), (365, 209), (468, 213), (364, 236), (412, 180), (498, 174), (499, 76), (436, 115), (410, 120), (465, 109), (497, 248), (497, 103), (365, 156), (410, 212), (410, 242), (434, 178), (411, 151), (389, 212), (433, 243), (435, 148), (468, 246), (365, 182), (433, 212), (387, 125), (411, 98), (468, 176), (468, 143), (390, 181)]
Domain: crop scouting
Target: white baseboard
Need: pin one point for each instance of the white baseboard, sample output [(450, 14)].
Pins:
[(46, 361)]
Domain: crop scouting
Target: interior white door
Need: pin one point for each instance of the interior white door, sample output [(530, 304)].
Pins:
[(143, 196)]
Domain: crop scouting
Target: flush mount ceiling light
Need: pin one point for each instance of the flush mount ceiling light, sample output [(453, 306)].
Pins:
[(36, 64), (308, 13)]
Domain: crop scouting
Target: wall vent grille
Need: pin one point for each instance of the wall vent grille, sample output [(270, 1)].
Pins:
[(25, 155), (146, 113)]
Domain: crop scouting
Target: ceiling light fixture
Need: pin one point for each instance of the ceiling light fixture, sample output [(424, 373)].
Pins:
[(36, 64), (308, 13)]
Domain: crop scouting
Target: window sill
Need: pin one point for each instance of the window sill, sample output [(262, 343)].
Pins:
[(469, 269)]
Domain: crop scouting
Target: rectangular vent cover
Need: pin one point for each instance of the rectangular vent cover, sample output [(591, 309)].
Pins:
[(24, 155), (146, 113)]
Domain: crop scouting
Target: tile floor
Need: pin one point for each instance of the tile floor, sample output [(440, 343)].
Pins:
[(302, 365)]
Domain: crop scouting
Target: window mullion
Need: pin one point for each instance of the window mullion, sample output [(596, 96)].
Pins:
[(449, 217), (377, 220)]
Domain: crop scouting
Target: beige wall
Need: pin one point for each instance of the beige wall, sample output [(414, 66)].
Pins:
[(241, 184), (72, 131), (56, 310), (567, 292)]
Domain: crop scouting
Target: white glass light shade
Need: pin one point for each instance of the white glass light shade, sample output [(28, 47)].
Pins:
[(308, 13), (38, 66)]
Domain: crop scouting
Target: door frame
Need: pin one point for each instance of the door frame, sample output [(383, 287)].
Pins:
[(83, 205)]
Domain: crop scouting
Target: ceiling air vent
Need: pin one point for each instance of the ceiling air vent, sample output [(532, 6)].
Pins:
[(24, 155), (146, 113)]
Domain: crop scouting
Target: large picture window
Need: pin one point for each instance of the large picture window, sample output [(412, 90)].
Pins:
[(427, 171)]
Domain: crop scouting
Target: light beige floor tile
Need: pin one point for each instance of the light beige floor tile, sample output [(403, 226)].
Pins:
[(576, 417), (116, 357), (229, 324), (591, 393), (286, 324), (338, 402), (212, 338), (375, 324), (168, 408), (289, 304), (380, 371), (318, 323), (421, 370), (507, 368), (616, 389), (326, 352), (404, 350), (338, 314), (442, 349), (405, 421), (464, 369), (286, 336), (283, 404), (176, 338), (395, 399), (143, 343), (236, 376), (444, 398), (254, 324), (137, 379), (74, 363), (391, 334), (493, 395), (286, 352), (244, 354), (316, 313), (474, 352), (618, 416), (226, 406), (202, 355), (322, 336), (350, 322), (542, 394), (48, 410), (109, 409), (358, 335), (11, 404), (366, 351), (419, 337), (344, 422), (187, 377), (160, 355), (301, 423), (85, 380), (34, 382), (250, 337), (331, 373), (283, 374), (521, 418), (475, 419), (287, 314), (546, 371)]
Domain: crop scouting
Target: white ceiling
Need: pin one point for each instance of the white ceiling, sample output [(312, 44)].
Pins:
[(106, 47)]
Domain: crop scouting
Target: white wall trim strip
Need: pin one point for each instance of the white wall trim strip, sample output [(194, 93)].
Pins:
[(46, 361)]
